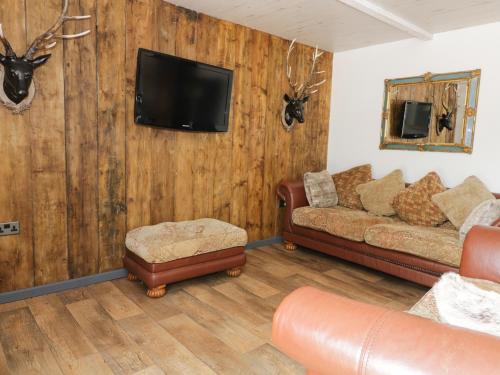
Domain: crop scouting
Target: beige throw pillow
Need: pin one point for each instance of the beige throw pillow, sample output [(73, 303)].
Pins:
[(320, 189), (377, 196), (458, 203), (485, 214)]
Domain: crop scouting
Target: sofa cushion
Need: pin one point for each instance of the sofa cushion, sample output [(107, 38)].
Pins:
[(414, 204), (426, 307), (377, 196), (346, 183), (437, 244), (338, 221), (170, 241), (485, 214), (320, 189), (458, 203)]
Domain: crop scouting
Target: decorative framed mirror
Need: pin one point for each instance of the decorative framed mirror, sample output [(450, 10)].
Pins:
[(431, 112)]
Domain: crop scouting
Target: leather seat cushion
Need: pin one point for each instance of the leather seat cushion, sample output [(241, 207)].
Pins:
[(438, 244), (426, 307), (170, 241), (338, 221)]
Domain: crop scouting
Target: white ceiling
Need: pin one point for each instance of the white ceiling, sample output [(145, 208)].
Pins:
[(335, 26)]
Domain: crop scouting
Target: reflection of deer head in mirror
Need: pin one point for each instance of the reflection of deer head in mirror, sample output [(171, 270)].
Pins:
[(293, 106), (444, 120), (17, 90)]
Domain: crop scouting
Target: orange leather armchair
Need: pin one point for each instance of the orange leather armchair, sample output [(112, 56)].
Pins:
[(329, 334)]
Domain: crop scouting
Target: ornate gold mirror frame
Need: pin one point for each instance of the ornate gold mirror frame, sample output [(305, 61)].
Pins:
[(452, 94)]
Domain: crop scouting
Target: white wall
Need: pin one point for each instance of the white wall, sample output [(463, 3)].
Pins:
[(358, 88)]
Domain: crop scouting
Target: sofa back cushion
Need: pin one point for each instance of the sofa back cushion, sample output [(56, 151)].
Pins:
[(346, 183), (377, 196), (320, 189), (458, 203), (414, 204), (487, 213)]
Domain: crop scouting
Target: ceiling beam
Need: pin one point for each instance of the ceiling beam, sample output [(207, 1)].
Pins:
[(383, 15)]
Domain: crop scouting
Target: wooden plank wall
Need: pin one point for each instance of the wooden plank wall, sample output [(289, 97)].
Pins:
[(78, 173)]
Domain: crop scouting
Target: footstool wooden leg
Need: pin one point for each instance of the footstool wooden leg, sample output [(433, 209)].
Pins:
[(234, 272), (132, 277), (289, 246), (157, 292)]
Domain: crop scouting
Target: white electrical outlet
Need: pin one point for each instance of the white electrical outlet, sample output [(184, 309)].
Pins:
[(9, 229)]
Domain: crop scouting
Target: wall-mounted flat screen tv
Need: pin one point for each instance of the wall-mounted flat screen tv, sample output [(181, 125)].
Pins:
[(181, 94), (416, 119)]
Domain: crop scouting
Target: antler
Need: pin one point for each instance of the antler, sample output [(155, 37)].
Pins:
[(8, 49), (308, 87), (46, 40), (289, 68)]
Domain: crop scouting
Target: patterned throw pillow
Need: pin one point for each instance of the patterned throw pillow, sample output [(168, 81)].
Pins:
[(320, 189), (346, 183), (414, 204), (458, 203), (485, 214), (377, 196)]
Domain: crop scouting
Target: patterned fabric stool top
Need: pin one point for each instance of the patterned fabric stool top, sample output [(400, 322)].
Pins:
[(169, 241)]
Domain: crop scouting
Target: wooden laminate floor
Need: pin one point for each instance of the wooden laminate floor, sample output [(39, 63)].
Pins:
[(209, 325)]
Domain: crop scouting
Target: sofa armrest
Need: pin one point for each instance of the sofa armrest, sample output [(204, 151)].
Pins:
[(481, 254), (294, 195), (331, 334)]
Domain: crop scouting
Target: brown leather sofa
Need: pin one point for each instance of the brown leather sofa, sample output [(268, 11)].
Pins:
[(405, 265), (329, 334)]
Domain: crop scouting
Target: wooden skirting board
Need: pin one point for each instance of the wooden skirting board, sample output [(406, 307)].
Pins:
[(94, 279)]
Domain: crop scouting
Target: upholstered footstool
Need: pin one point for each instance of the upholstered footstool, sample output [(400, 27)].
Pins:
[(168, 252)]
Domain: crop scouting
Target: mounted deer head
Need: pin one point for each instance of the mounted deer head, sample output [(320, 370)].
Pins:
[(293, 106), (17, 91)]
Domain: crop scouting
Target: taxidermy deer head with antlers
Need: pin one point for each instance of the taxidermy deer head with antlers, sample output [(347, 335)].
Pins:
[(444, 121), (293, 106), (17, 90)]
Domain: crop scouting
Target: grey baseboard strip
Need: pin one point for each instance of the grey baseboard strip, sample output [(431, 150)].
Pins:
[(61, 285), (259, 243), (93, 279)]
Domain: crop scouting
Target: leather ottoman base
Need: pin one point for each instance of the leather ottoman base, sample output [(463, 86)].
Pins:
[(160, 274)]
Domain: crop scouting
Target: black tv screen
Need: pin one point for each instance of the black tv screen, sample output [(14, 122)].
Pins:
[(181, 94), (416, 119)]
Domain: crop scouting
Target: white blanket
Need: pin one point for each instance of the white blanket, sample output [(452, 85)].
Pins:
[(463, 304)]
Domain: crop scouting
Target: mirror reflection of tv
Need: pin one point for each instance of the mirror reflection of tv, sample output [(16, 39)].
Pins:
[(415, 120), (181, 94)]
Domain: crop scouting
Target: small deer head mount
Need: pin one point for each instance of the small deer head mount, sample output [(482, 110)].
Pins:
[(17, 90), (293, 106)]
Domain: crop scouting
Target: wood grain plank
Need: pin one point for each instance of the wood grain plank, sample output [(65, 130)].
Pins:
[(167, 353), (16, 252), (228, 331), (117, 305), (226, 45), (120, 353), (185, 47), (80, 100), (163, 142), (111, 31), (256, 133), (141, 33), (157, 309), (65, 336), (48, 153), (240, 122), (220, 357), (25, 348)]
